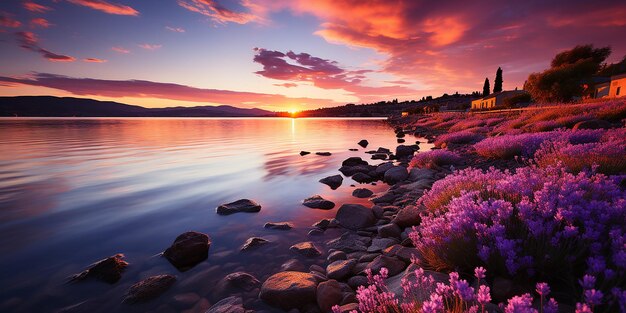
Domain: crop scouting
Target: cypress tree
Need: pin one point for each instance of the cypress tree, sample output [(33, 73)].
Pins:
[(497, 84), (486, 88)]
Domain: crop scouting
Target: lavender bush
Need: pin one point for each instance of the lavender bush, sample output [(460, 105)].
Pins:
[(435, 158), (462, 137)]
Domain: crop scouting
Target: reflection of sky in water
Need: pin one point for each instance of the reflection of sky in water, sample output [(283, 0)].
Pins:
[(75, 191)]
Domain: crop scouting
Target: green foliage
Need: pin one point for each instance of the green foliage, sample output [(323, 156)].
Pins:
[(497, 84), (486, 88), (517, 99)]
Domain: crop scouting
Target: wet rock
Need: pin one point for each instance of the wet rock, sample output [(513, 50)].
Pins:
[(368, 257), (378, 211), (332, 181), (378, 244), (317, 202), (340, 269), (307, 249), (329, 293), (323, 153), (188, 249), (400, 140), (592, 124), (242, 205), (383, 150), (396, 174), (406, 254), (379, 156), (254, 242), (389, 231), (149, 288), (293, 265), (234, 283), (403, 151), (228, 305), (108, 270), (316, 232), (408, 216), (185, 300), (392, 264), (362, 193), (355, 216), (279, 225), (353, 161), (335, 256), (363, 143), (421, 173), (349, 242), (303, 153), (362, 178), (355, 281), (323, 224), (347, 308), (317, 268), (289, 290), (352, 170), (388, 197)]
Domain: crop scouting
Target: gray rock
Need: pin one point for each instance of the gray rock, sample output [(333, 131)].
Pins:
[(368, 257), (396, 174), (340, 269), (382, 168), (323, 224), (188, 249), (362, 178), (354, 161), (316, 232), (307, 249), (403, 151), (293, 265), (242, 205), (289, 290), (336, 255), (329, 293), (379, 156), (279, 225), (388, 197), (234, 283), (378, 244), (389, 231), (148, 288), (355, 216), (349, 242), (421, 173), (408, 216), (406, 254), (352, 170), (317, 268), (362, 193), (392, 264), (108, 270), (332, 181), (253, 243), (317, 202), (355, 281), (228, 305)]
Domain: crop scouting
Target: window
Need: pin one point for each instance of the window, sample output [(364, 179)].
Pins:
[(618, 90)]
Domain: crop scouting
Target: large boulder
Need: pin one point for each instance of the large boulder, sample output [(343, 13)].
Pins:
[(108, 270), (228, 305), (408, 216), (188, 249), (403, 151), (307, 249), (382, 168), (392, 264), (149, 288), (289, 290), (363, 178), (329, 293), (353, 161), (362, 193), (241, 205), (332, 181), (340, 269), (234, 283), (396, 174), (355, 216), (317, 202)]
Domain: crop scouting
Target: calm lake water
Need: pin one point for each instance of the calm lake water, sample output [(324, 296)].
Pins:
[(74, 191)]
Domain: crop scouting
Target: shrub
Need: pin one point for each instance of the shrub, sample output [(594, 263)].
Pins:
[(517, 99), (557, 226), (468, 123), (462, 137), (604, 157), (433, 158)]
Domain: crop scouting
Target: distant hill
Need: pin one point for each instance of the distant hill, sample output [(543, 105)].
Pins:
[(48, 106)]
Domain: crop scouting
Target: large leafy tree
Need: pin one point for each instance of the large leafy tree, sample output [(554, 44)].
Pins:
[(569, 71), (486, 88), (497, 83)]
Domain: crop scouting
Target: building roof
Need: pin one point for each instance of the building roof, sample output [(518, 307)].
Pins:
[(619, 76)]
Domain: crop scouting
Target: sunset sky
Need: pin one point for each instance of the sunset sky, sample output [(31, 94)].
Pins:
[(287, 54)]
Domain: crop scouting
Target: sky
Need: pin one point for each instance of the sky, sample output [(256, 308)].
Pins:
[(288, 55)]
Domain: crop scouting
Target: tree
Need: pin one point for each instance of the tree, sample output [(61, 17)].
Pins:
[(497, 84), (569, 72), (486, 87)]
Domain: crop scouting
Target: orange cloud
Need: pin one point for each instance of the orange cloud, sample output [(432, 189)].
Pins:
[(221, 14), (6, 20), (148, 46), (94, 60), (35, 7), (120, 50), (106, 7), (29, 41), (40, 22), (149, 89)]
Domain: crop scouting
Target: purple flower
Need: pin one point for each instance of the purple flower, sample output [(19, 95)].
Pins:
[(520, 304), (543, 289), (588, 281), (551, 307), (483, 296), (583, 308), (464, 290), (479, 272), (593, 296)]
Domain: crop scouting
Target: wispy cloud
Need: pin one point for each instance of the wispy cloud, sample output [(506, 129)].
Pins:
[(36, 7), (175, 29), (287, 85), (120, 50), (106, 7), (220, 14), (149, 89), (94, 60), (40, 22), (28, 40), (7, 20), (148, 46)]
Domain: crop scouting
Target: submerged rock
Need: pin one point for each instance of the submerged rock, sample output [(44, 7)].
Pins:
[(228, 305), (355, 216), (278, 225), (242, 205), (188, 249), (108, 270), (149, 288), (253, 243), (332, 181), (307, 249), (289, 290), (362, 193), (317, 202), (235, 283)]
